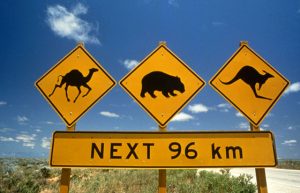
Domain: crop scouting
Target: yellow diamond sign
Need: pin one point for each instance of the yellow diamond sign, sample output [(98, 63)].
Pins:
[(162, 84), (249, 83), (74, 84)]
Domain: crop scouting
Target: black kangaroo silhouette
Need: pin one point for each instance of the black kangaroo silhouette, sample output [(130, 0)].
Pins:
[(75, 78), (251, 77)]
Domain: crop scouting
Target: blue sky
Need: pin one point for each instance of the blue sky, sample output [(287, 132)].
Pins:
[(119, 34)]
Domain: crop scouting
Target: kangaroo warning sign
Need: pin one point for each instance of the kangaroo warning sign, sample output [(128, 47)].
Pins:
[(74, 84), (249, 83), (162, 84)]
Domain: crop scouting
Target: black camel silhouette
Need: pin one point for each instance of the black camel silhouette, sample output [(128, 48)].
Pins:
[(251, 77), (75, 78)]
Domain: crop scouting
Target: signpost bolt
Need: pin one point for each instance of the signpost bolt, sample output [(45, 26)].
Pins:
[(81, 44), (243, 42), (163, 43)]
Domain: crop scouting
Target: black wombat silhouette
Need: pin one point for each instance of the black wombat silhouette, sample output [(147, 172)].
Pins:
[(251, 77), (75, 78), (160, 81)]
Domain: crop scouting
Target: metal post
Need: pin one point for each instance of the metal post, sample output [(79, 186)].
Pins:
[(162, 173), (66, 172), (65, 180), (162, 183), (260, 172)]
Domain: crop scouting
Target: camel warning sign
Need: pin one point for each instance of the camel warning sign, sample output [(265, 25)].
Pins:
[(249, 83), (74, 84), (162, 84)]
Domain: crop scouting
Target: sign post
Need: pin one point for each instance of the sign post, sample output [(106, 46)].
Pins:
[(65, 180), (66, 172), (261, 179), (162, 84), (162, 173)]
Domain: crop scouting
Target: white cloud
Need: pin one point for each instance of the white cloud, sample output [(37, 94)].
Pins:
[(198, 108), (45, 143), (238, 114), (109, 114), (291, 128), (28, 140), (79, 9), (2, 103), (180, 117), (7, 139), (67, 23), (224, 107), (295, 87), (31, 145), (49, 123), (266, 125), (130, 64), (244, 125), (22, 120), (291, 142)]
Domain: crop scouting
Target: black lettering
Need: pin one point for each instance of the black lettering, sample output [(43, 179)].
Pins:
[(175, 147), (189, 152), (233, 150), (132, 148), (215, 151), (113, 150), (99, 152), (148, 145)]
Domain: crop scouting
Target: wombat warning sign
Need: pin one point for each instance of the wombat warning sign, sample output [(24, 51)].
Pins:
[(162, 84)]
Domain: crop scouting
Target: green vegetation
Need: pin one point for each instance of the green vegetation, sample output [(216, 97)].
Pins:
[(289, 164), (22, 175), (34, 175)]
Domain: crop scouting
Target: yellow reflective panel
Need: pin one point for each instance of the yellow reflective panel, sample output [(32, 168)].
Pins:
[(74, 84), (163, 149), (162, 84), (250, 84)]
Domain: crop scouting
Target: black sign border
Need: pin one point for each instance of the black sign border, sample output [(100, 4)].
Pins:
[(159, 134), (79, 46), (240, 110), (163, 124)]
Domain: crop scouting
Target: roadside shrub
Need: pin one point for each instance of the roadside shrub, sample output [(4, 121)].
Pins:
[(33, 176), (21, 176), (45, 172), (186, 181)]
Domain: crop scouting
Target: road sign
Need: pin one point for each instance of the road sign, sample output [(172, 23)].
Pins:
[(162, 84), (249, 83), (162, 149), (75, 84)]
